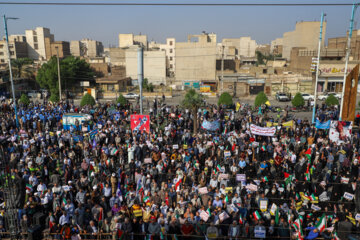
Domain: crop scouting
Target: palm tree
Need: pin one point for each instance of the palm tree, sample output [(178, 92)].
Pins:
[(193, 101), (22, 67)]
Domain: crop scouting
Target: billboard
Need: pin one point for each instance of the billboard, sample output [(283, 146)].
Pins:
[(140, 123)]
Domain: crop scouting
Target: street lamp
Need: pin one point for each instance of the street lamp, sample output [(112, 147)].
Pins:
[(58, 68), (10, 70)]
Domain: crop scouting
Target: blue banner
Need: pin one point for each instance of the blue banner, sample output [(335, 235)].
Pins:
[(210, 126), (322, 125)]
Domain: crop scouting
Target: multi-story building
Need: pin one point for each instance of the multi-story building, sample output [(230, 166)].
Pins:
[(17, 48), (243, 46), (169, 49), (276, 46), (86, 48), (117, 56), (306, 35), (36, 42), (196, 61), (154, 65), (129, 39), (340, 43)]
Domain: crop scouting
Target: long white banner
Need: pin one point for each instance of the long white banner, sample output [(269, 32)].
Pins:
[(263, 131)]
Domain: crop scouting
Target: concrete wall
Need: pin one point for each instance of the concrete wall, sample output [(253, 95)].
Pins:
[(36, 42), (17, 50), (244, 46), (306, 34), (154, 65), (75, 48), (141, 40), (341, 43), (275, 44), (195, 61), (117, 56)]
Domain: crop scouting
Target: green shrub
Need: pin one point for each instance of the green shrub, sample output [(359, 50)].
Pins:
[(226, 99), (54, 98), (87, 99), (260, 99), (298, 100), (331, 100), (122, 100), (24, 99)]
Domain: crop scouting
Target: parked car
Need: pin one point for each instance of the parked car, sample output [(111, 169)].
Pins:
[(131, 95), (325, 95), (282, 97), (307, 96)]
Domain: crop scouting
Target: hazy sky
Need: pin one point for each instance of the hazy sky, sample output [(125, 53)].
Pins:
[(104, 23)]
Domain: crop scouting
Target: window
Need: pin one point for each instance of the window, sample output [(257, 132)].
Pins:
[(12, 52), (2, 60), (171, 43), (171, 58), (264, 71), (171, 51), (171, 66), (36, 46), (1, 45), (1, 53), (111, 87), (35, 39)]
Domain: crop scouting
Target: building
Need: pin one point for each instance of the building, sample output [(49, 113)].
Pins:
[(169, 49), (276, 46), (244, 46), (55, 48), (17, 48), (129, 39), (196, 61), (154, 65), (36, 42), (340, 43), (306, 35), (86, 48), (117, 56)]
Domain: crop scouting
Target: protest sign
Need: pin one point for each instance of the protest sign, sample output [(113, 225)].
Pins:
[(228, 189), (224, 176), (223, 216), (273, 209), (315, 207), (227, 153), (175, 146), (240, 177), (262, 131), (203, 190), (348, 196), (263, 205), (147, 160), (204, 215), (252, 187)]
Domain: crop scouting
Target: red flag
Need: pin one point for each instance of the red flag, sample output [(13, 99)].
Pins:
[(51, 224), (286, 175), (177, 184), (101, 215)]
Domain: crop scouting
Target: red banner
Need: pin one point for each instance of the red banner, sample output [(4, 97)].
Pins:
[(140, 123)]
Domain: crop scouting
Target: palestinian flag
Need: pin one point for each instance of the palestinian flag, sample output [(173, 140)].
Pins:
[(146, 199), (241, 220), (29, 187), (265, 179), (307, 173), (120, 234), (64, 202), (178, 184), (286, 175), (308, 154), (312, 169), (289, 179), (91, 169), (321, 224), (256, 215)]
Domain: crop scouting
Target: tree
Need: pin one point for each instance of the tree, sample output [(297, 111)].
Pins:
[(331, 100), (87, 99), (72, 70), (24, 99), (122, 100), (298, 100), (22, 67), (225, 99), (193, 101), (263, 59), (149, 87), (260, 99)]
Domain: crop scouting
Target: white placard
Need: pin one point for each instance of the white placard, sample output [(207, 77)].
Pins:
[(348, 196), (260, 233), (315, 207), (227, 154), (273, 209), (224, 176), (223, 216), (204, 215), (252, 187), (263, 205), (357, 217), (32, 141), (160, 139), (209, 143), (203, 190), (175, 146), (240, 177), (147, 160)]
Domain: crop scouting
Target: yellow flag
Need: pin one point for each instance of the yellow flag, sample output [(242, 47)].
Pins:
[(238, 106), (268, 103)]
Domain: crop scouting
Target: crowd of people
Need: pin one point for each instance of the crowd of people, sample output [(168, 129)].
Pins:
[(100, 179)]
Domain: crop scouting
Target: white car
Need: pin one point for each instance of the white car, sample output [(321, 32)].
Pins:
[(325, 95), (131, 95), (307, 96)]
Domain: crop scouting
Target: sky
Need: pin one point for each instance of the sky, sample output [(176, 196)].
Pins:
[(104, 23)]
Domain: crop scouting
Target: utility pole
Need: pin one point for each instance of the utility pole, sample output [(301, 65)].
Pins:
[(10, 69), (58, 68), (348, 49), (222, 69), (140, 74), (317, 67)]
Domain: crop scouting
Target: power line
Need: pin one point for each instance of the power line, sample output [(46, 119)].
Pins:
[(179, 4)]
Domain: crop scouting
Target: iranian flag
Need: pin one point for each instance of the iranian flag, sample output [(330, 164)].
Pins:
[(64, 202), (297, 196), (91, 169), (241, 221), (218, 168), (256, 215), (29, 187), (263, 148), (313, 197), (178, 184), (321, 224), (51, 224), (308, 154), (214, 171), (208, 211), (114, 151), (265, 179), (146, 199)]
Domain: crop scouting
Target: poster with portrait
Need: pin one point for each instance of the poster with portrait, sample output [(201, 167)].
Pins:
[(340, 131)]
